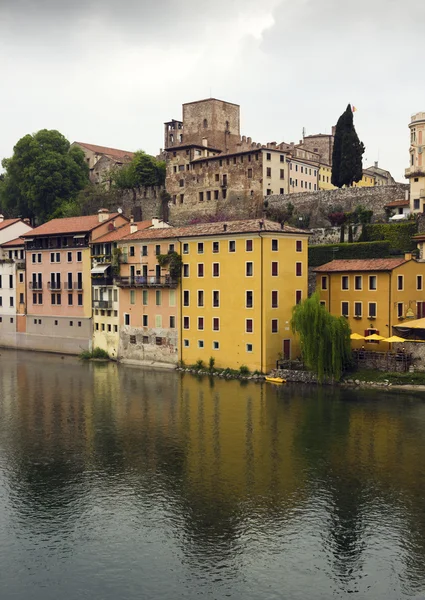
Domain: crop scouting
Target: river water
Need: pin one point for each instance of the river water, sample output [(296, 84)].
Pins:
[(120, 483)]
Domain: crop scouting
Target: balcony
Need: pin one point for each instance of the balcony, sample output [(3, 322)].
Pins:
[(69, 286), (102, 281), (415, 172), (36, 285), (103, 304), (21, 266), (151, 281), (54, 285)]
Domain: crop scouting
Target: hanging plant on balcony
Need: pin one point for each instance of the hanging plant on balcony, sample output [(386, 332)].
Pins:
[(116, 259), (173, 261)]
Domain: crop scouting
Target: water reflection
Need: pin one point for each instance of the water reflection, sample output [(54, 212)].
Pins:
[(153, 484)]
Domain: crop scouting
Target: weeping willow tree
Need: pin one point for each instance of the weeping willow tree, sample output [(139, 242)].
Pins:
[(325, 339)]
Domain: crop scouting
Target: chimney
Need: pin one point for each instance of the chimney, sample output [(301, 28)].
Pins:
[(1, 218), (133, 227), (376, 164), (155, 222), (224, 227), (282, 225), (103, 214), (131, 218), (408, 256), (26, 220)]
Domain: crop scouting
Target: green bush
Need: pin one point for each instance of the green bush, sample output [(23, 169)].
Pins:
[(199, 364), (211, 363), (398, 235), (244, 370), (85, 355), (319, 255), (95, 353)]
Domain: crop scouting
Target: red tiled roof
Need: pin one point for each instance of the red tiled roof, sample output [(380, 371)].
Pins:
[(114, 152), (370, 264), (16, 242), (396, 203), (69, 225), (7, 222), (205, 229), (122, 231)]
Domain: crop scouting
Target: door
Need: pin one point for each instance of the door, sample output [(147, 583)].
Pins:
[(158, 273), (286, 349), (132, 273), (145, 273), (420, 310)]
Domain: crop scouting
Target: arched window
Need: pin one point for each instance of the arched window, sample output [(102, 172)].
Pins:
[(205, 123)]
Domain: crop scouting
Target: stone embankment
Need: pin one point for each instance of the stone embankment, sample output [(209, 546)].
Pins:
[(225, 374)]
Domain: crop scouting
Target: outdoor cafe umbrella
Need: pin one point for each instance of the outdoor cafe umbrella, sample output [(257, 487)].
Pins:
[(374, 338), (356, 336), (394, 339)]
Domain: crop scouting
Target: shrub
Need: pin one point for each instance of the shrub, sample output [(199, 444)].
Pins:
[(99, 353), (211, 363), (397, 235), (243, 369), (319, 255), (85, 355), (199, 364)]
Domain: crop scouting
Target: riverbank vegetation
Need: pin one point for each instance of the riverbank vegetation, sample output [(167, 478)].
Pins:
[(96, 353)]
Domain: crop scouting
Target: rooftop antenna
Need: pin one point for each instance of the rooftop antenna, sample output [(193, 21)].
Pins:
[(303, 132)]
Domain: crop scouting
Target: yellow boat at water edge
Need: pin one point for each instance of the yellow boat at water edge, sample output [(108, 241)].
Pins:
[(275, 379)]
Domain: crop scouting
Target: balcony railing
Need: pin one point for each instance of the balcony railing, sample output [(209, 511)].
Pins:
[(73, 285), (21, 266), (102, 281), (54, 285), (102, 304), (36, 285), (151, 281)]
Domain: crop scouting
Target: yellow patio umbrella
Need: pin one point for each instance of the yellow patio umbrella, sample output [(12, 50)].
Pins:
[(394, 339), (374, 337), (356, 336)]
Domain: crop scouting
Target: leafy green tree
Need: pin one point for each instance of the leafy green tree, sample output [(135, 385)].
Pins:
[(43, 172), (144, 170), (325, 339), (347, 165)]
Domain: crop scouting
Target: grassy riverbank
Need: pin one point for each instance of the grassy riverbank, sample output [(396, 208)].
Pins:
[(383, 377)]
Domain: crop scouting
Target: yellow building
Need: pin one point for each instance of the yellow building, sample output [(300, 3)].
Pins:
[(325, 175), (368, 180), (373, 294), (240, 281)]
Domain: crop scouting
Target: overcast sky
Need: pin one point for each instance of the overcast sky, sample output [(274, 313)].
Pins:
[(110, 73)]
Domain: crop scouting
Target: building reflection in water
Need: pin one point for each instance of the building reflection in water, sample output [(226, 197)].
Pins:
[(321, 476)]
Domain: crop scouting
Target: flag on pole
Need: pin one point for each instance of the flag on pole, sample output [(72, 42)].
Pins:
[(354, 109)]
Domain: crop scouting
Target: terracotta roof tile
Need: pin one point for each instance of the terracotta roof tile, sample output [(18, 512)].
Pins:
[(11, 243), (69, 225), (396, 203), (7, 222), (205, 229), (113, 152), (370, 264), (122, 231)]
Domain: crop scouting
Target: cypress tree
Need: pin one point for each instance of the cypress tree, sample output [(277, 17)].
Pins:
[(347, 165)]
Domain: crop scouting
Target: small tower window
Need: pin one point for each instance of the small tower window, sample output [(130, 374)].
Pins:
[(205, 123)]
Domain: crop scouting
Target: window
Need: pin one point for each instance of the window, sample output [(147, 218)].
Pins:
[(115, 328), (416, 204), (185, 248), (11, 301), (158, 297), (200, 247), (249, 347), (419, 282), (158, 321), (145, 339), (52, 257), (79, 256), (186, 343), (299, 246), (131, 251), (172, 322), (216, 247), (344, 282), (216, 324), (358, 282), (215, 194), (299, 269), (275, 245), (268, 156), (21, 298), (357, 309), (71, 323), (400, 307), (275, 325), (158, 249), (11, 319), (400, 282), (145, 320), (216, 298), (186, 322), (80, 299), (40, 298), (172, 297), (39, 257), (200, 323), (269, 172), (275, 269), (216, 345), (200, 297), (248, 245), (232, 246), (249, 269), (181, 183), (249, 299), (21, 278), (282, 174), (10, 281), (344, 309), (298, 296), (126, 319), (275, 299), (200, 343), (372, 282), (249, 325), (200, 269), (216, 269), (185, 270), (145, 297), (186, 298), (249, 173), (144, 250), (201, 196), (372, 309)]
